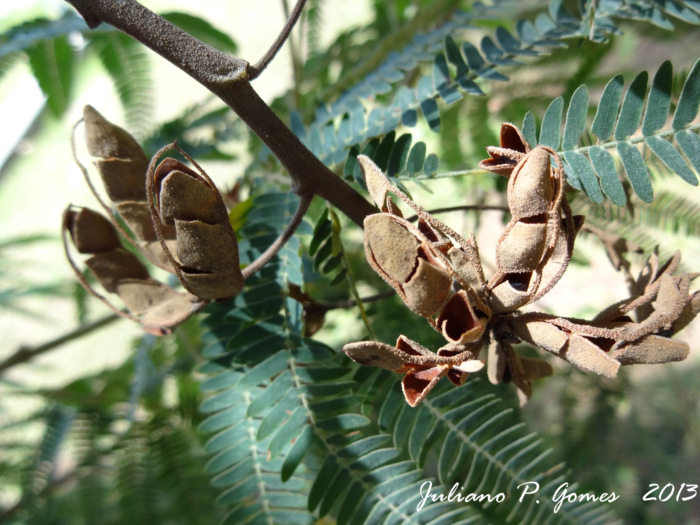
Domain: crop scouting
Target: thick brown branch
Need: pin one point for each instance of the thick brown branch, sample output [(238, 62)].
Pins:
[(229, 79)]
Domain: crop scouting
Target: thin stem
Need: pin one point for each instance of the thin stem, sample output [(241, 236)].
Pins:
[(295, 56), (351, 280), (24, 354), (468, 207), (348, 303), (255, 70), (304, 203)]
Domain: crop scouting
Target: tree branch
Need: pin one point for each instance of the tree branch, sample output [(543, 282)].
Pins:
[(276, 246), (24, 354), (229, 79)]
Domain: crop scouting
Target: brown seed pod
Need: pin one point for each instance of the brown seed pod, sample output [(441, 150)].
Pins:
[(571, 347), (411, 259), (420, 262), (506, 366), (206, 257), (404, 258), (422, 368), (504, 158), (536, 246), (612, 338), (459, 321), (122, 166), (153, 304), (533, 187)]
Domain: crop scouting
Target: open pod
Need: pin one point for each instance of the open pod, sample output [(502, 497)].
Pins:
[(205, 257), (151, 303), (174, 216), (122, 166), (421, 368), (536, 245), (504, 365), (439, 275), (612, 339)]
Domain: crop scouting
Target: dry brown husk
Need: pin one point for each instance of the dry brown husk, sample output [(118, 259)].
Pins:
[(421, 368), (122, 166), (447, 286), (206, 258), (177, 219), (155, 305)]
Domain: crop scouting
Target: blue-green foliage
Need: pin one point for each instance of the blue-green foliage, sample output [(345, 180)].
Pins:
[(619, 116), (352, 124)]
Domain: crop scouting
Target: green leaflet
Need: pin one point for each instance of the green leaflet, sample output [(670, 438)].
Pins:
[(606, 115), (672, 159), (550, 132), (688, 102), (604, 166), (585, 174), (636, 170), (659, 100), (455, 68), (632, 106), (575, 118)]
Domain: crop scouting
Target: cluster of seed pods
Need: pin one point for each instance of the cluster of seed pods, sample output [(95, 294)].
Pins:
[(177, 220), (438, 274)]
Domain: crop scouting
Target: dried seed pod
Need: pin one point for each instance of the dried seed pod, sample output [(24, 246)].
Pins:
[(122, 166), (411, 259), (612, 339), (571, 347), (522, 246), (536, 246), (422, 368), (513, 291), (532, 187), (467, 266), (513, 148), (506, 366), (459, 321), (153, 304), (207, 261), (404, 258), (90, 231), (649, 350)]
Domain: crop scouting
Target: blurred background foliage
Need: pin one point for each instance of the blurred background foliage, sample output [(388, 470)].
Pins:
[(99, 423)]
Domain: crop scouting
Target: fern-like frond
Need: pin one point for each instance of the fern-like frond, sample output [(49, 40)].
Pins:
[(38, 478), (276, 390), (347, 123), (280, 399), (479, 442), (648, 225), (617, 121), (30, 34), (126, 61)]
